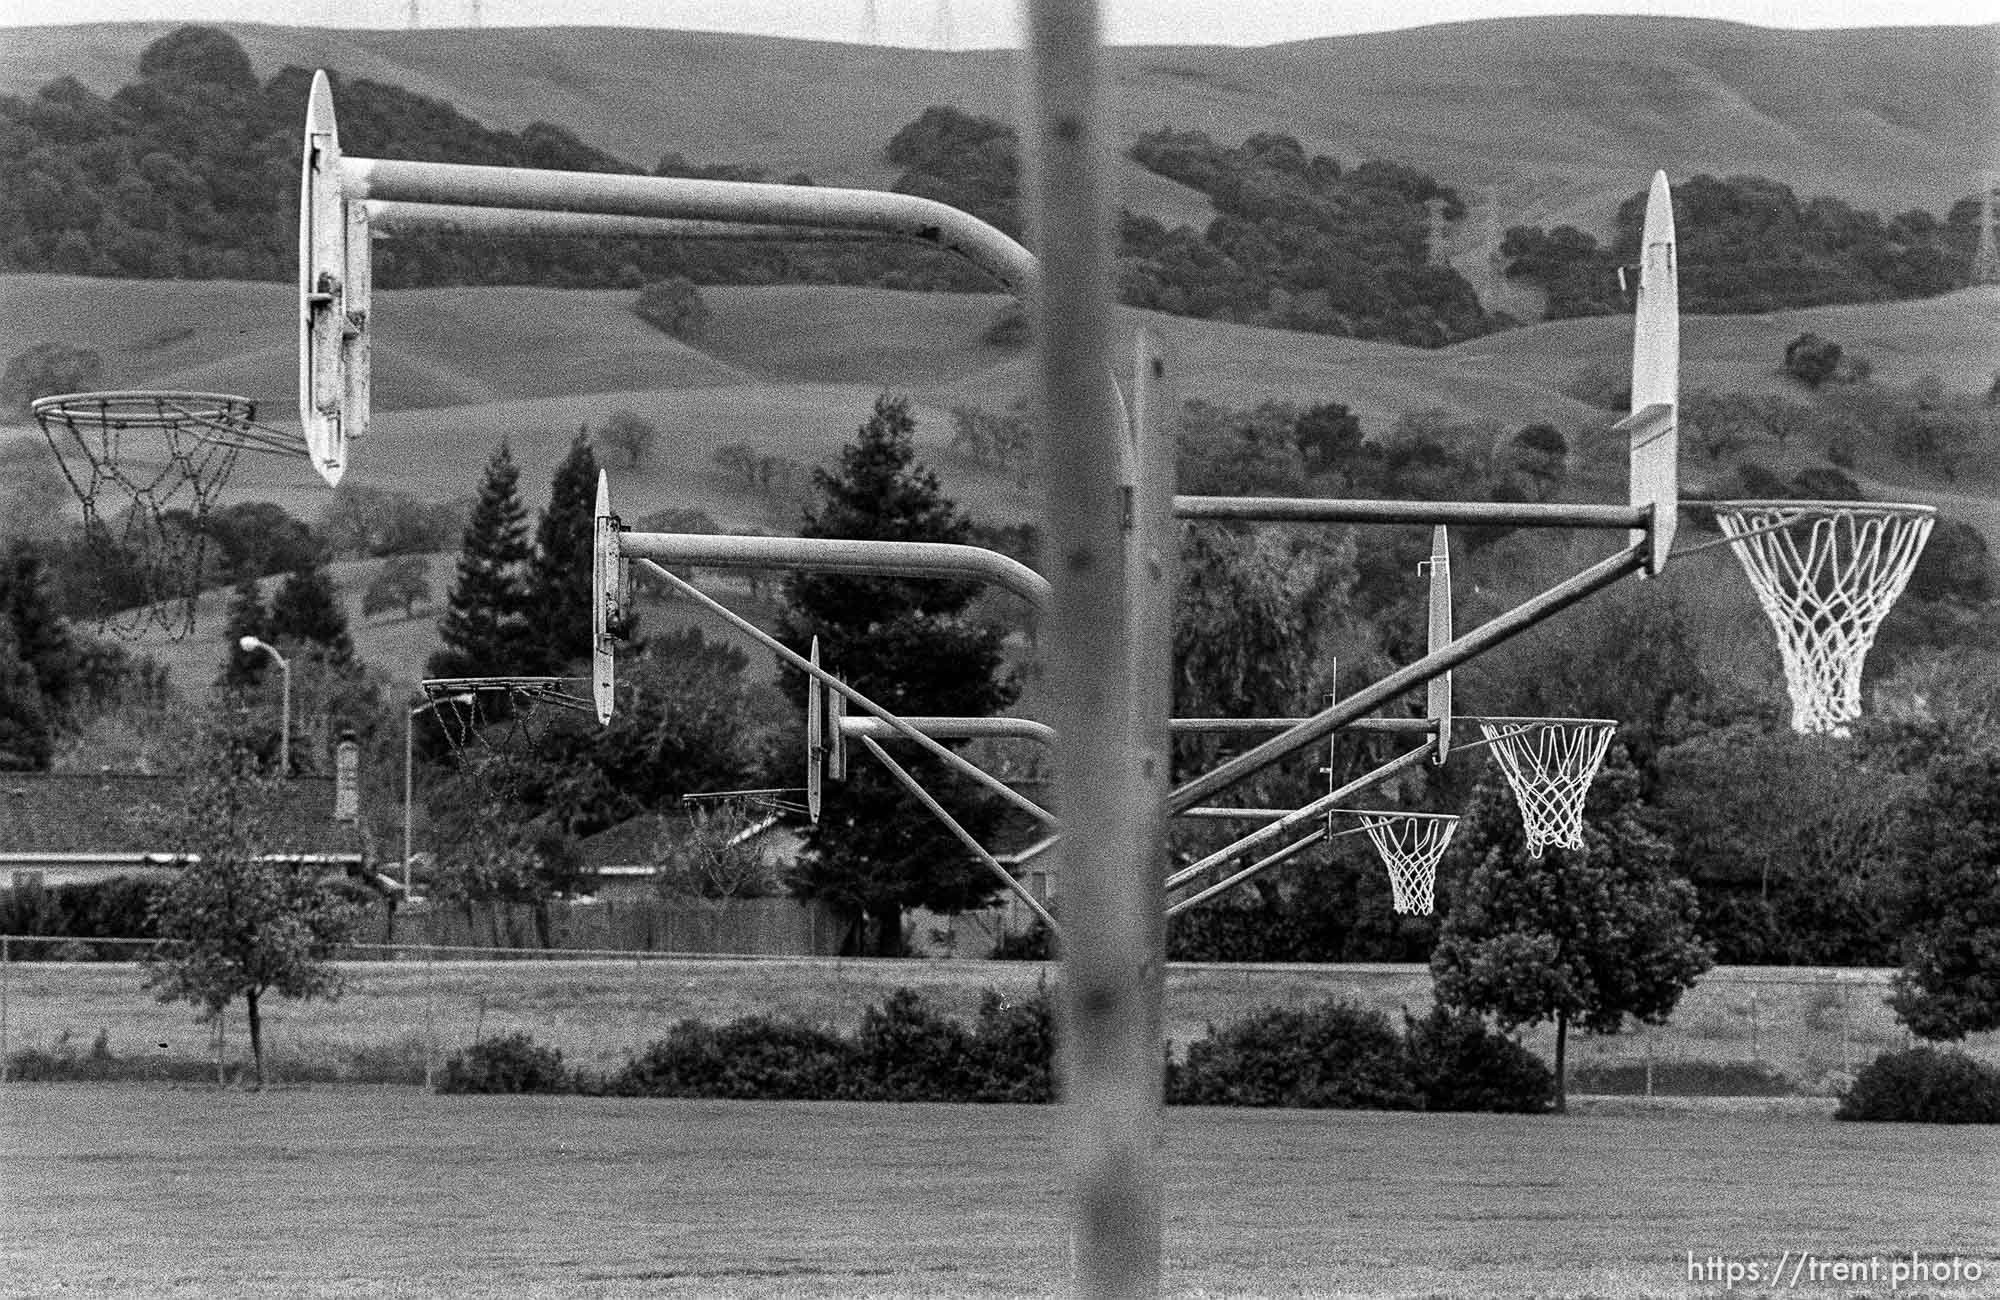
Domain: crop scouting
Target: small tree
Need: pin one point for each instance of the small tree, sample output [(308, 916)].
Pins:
[(240, 919), (629, 434), (47, 369), (1811, 359), (1543, 454), (674, 306), (1589, 937), (1950, 855), (27, 739), (486, 614), (402, 580)]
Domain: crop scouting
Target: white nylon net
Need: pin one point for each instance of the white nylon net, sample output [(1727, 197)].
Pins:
[(1549, 763), (1826, 573), (1411, 845)]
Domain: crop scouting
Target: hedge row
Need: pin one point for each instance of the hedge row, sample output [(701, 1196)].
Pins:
[(1330, 1055)]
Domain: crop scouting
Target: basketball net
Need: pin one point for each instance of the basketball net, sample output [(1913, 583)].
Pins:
[(147, 468), (1549, 763), (1410, 845), (1826, 573), (498, 727)]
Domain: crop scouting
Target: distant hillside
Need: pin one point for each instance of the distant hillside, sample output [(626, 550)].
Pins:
[(1554, 119), (794, 369)]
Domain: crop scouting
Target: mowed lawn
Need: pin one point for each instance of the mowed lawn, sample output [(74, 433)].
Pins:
[(343, 1191)]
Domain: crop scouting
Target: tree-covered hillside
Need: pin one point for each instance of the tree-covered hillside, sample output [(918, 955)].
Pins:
[(1748, 244)]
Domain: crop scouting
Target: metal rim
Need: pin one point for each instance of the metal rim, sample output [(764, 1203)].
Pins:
[(222, 419), (1801, 506)]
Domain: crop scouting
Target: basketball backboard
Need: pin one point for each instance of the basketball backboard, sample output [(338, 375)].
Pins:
[(1653, 426), (334, 279), (1437, 699), (608, 589)]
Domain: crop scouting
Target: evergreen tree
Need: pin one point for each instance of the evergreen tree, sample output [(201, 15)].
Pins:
[(306, 609), (907, 644), (486, 614), (1588, 937), (559, 574), (247, 617)]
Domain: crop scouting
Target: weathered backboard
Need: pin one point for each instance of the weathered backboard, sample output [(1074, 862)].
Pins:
[(607, 600), (334, 283), (1653, 426), (1437, 700), (815, 739)]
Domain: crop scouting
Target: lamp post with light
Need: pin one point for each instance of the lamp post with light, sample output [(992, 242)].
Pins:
[(250, 643)]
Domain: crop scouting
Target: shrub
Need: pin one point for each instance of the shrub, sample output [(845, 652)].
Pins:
[(1014, 1049), (1031, 944), (508, 1063), (1333, 1055), (1924, 1085), (753, 1057), (675, 307), (912, 1053), (1458, 1063)]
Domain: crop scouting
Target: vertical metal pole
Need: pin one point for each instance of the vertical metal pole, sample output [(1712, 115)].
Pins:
[(6, 978), (1109, 784), (284, 718), (409, 747), (1756, 1053)]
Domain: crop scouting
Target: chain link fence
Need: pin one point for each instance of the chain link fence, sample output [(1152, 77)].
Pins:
[(405, 1009)]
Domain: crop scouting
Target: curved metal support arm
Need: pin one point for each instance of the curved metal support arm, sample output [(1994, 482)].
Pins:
[(1329, 510), (840, 555), (391, 218), (952, 729), (924, 221)]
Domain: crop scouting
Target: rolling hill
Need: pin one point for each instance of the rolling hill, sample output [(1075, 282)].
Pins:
[(1537, 120)]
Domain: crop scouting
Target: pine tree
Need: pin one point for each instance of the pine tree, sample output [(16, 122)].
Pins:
[(486, 614), (906, 644), (306, 609), (559, 574)]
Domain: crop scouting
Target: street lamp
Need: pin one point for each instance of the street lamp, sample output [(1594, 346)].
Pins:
[(249, 643), (409, 747)]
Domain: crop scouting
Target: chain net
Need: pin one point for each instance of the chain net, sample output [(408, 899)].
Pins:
[(1826, 574), (147, 468), (506, 734), (1550, 763), (1410, 845)]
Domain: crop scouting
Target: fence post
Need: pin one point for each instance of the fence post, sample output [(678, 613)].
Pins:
[(1841, 984), (221, 1047), (1646, 1035), (6, 978), (1756, 1054), (430, 1013)]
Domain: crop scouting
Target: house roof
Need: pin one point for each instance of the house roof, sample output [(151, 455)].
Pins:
[(117, 812)]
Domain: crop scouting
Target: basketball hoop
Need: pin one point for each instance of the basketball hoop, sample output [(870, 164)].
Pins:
[(493, 723), (1826, 573), (1410, 844), (1549, 763), (147, 467)]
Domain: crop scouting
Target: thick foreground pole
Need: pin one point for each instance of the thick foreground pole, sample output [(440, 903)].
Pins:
[(1110, 785)]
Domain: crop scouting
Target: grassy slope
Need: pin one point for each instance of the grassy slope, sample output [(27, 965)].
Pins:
[(1560, 117)]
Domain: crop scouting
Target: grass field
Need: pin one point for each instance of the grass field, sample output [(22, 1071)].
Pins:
[(358, 1192), (1812, 1028)]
